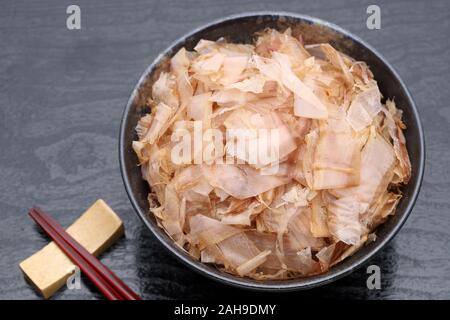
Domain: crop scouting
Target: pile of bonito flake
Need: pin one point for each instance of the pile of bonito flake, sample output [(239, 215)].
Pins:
[(340, 155)]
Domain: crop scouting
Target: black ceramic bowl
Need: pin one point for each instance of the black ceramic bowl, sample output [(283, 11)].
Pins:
[(241, 28)]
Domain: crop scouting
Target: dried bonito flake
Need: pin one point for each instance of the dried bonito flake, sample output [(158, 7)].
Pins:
[(340, 155)]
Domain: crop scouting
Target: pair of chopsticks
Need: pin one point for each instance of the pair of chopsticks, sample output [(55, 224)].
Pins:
[(103, 278)]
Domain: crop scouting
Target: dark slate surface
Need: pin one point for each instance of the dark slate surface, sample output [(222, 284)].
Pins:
[(61, 98)]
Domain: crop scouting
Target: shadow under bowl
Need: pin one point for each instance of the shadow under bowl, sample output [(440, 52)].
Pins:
[(241, 28)]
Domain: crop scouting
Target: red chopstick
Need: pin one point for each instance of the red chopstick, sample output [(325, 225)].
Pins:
[(115, 282), (97, 280), (106, 281)]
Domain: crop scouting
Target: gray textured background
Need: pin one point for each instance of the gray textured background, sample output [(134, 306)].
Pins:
[(62, 95)]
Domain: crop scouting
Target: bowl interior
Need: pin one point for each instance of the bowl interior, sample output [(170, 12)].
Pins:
[(242, 29)]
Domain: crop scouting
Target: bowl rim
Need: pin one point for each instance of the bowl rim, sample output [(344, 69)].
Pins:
[(244, 283)]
